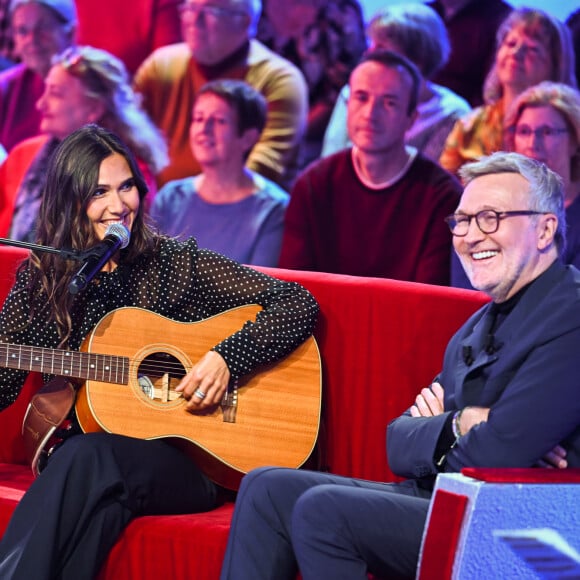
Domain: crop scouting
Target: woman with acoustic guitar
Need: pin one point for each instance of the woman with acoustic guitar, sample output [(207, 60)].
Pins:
[(91, 485)]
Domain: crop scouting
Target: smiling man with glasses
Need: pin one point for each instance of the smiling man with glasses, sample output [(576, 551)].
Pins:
[(543, 123), (506, 396), (499, 255), (487, 220), (219, 43)]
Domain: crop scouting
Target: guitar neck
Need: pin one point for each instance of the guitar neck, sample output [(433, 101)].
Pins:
[(80, 365)]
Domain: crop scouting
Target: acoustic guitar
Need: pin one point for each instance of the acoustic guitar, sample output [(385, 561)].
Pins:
[(131, 363)]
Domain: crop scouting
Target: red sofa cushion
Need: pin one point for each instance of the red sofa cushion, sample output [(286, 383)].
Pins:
[(14, 481), (153, 547), (380, 341)]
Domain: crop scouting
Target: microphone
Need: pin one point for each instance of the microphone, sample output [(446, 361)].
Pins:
[(116, 237)]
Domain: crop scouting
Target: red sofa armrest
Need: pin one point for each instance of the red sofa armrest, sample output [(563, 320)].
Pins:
[(441, 535), (523, 475)]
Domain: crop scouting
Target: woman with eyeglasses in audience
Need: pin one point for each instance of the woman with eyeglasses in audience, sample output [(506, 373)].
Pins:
[(532, 46), (84, 85), (544, 123)]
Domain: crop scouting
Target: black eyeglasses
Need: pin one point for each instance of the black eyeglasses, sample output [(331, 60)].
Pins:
[(487, 220), (543, 132), (193, 9)]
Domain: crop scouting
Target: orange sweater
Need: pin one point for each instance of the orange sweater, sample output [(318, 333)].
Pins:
[(169, 80)]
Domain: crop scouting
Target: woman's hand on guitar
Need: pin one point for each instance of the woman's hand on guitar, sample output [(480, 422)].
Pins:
[(206, 383)]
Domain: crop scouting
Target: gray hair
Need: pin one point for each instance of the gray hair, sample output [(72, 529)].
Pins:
[(551, 32), (418, 32), (64, 10), (546, 188)]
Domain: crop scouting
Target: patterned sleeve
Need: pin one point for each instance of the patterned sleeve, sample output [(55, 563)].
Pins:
[(451, 157), (287, 319), (13, 316)]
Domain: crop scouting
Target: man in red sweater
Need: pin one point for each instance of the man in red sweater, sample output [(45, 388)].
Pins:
[(375, 209)]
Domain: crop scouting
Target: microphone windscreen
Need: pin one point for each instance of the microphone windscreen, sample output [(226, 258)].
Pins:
[(119, 231)]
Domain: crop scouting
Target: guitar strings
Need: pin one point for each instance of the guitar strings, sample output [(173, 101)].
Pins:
[(28, 358)]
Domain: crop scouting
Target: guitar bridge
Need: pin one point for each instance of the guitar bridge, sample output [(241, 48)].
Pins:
[(229, 403)]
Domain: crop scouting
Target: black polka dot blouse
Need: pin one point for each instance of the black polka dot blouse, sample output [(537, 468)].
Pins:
[(182, 282)]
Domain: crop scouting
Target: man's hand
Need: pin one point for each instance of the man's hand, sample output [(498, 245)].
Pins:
[(472, 416), (206, 383), (429, 402), (555, 458)]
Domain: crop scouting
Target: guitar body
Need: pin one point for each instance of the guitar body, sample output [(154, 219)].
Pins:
[(272, 417)]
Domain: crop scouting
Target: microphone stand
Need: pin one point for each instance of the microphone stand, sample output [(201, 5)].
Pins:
[(66, 254)]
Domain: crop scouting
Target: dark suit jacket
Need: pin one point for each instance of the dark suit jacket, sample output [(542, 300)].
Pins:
[(531, 384)]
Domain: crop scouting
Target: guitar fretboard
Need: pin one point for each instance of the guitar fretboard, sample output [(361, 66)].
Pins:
[(81, 365)]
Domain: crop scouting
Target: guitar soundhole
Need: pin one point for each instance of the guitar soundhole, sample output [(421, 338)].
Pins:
[(159, 373)]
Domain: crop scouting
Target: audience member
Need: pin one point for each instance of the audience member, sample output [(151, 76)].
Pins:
[(6, 44), (472, 26), (228, 208), (544, 123), (131, 30), (415, 31), (376, 209), (325, 40), (93, 484), (506, 397), (40, 29), (573, 22), (532, 46), (84, 85), (219, 43)]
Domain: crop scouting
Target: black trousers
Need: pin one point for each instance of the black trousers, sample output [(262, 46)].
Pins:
[(326, 525), (93, 485)]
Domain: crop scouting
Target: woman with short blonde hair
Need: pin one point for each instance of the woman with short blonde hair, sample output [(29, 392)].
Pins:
[(532, 46)]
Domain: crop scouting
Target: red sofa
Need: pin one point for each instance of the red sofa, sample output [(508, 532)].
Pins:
[(380, 341)]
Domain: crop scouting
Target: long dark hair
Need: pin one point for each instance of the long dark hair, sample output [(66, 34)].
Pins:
[(71, 180)]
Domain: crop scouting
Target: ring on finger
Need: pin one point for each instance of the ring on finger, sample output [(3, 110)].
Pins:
[(199, 394)]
